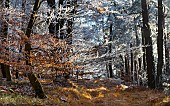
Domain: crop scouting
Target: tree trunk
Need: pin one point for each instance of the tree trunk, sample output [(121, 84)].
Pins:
[(135, 71), (110, 51), (167, 54), (132, 63), (8, 73), (144, 51), (139, 71), (148, 46), (3, 70), (167, 61), (4, 67), (31, 76), (160, 44), (126, 65)]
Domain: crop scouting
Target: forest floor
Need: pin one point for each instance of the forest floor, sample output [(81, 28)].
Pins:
[(106, 92)]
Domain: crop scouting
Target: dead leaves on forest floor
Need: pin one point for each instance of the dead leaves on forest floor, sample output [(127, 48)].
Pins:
[(106, 92)]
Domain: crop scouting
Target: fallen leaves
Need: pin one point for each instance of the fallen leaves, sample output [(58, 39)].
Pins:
[(93, 95), (166, 99), (121, 87), (46, 81)]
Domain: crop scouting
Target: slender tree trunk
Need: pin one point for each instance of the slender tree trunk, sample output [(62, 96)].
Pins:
[(126, 65), (167, 61), (144, 52), (132, 63), (139, 71), (107, 70), (110, 51), (160, 44), (167, 54), (135, 71), (31, 76), (148, 46)]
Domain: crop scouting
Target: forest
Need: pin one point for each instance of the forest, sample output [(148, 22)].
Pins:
[(85, 52)]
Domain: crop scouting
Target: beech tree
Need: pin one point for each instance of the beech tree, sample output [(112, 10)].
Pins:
[(146, 33), (160, 43), (32, 77)]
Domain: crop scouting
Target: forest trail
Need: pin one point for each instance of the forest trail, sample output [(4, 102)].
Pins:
[(106, 92)]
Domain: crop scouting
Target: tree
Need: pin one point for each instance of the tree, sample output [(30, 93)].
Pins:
[(5, 68), (32, 77), (160, 44), (110, 51), (146, 33), (167, 54), (133, 71)]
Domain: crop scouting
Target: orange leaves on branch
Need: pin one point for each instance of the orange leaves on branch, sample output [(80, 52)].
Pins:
[(48, 53)]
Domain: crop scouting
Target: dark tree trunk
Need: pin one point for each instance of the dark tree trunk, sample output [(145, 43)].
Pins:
[(31, 76), (69, 31), (167, 54), (139, 65), (110, 51), (144, 53), (3, 70), (132, 62), (167, 62), (126, 65), (135, 71), (107, 70), (4, 67), (160, 44), (8, 74), (148, 46), (139, 70)]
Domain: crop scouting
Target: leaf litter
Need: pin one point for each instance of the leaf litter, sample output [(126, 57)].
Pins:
[(106, 92)]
